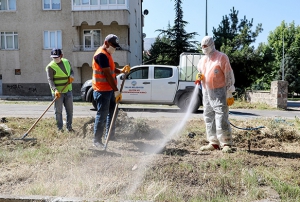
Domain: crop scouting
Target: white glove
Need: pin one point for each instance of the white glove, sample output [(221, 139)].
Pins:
[(117, 93), (229, 94), (118, 96)]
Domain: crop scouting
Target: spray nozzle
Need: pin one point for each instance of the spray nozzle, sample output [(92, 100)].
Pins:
[(199, 77)]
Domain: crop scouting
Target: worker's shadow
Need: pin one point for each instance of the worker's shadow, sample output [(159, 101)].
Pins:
[(141, 146), (158, 149), (276, 154), (100, 152)]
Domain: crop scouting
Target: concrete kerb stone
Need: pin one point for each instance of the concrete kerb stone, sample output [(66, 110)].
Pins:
[(33, 98), (38, 198)]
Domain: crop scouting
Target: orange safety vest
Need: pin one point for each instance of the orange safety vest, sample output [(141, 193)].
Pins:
[(99, 80)]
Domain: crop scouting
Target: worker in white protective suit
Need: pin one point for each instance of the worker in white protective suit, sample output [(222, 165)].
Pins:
[(217, 79)]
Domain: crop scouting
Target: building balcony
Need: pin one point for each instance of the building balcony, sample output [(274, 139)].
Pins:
[(106, 17), (123, 5), (83, 54)]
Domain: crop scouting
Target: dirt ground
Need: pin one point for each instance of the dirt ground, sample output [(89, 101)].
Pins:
[(140, 163)]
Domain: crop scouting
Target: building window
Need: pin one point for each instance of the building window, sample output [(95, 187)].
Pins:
[(135, 18), (9, 40), (104, 2), (85, 2), (51, 4), (8, 5), (52, 39), (91, 39)]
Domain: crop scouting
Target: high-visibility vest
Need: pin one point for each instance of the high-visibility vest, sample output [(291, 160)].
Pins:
[(99, 81), (60, 78)]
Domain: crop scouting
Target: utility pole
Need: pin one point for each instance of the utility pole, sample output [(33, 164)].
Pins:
[(283, 55), (206, 34)]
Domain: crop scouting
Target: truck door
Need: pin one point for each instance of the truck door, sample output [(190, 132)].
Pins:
[(164, 84), (137, 86)]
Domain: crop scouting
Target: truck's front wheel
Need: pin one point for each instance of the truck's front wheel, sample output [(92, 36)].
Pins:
[(94, 103), (185, 100)]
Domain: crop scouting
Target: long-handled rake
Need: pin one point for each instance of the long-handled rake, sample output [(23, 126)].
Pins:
[(28, 131), (114, 114)]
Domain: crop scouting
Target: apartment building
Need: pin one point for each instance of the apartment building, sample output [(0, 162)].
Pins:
[(29, 29)]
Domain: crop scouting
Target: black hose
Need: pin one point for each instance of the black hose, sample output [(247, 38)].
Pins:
[(247, 128)]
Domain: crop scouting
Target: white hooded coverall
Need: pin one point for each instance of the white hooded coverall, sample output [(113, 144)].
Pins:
[(217, 86)]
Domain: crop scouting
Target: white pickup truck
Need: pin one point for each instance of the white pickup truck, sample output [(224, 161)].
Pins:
[(157, 84)]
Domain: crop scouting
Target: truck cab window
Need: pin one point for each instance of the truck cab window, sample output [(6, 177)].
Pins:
[(162, 72), (139, 73)]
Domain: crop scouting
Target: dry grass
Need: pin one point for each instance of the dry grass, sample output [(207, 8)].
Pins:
[(148, 162)]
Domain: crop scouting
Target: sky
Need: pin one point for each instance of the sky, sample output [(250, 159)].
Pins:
[(268, 12)]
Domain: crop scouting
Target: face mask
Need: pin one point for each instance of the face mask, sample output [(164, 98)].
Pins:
[(207, 50), (56, 60), (111, 50)]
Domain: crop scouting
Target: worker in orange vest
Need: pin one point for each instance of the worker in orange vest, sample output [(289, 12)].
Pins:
[(104, 83)]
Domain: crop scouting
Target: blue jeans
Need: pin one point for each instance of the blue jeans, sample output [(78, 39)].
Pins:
[(105, 109), (66, 100)]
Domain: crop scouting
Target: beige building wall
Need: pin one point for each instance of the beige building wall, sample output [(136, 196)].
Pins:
[(23, 70)]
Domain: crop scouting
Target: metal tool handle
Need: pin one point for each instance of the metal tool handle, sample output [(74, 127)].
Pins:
[(115, 114), (43, 112)]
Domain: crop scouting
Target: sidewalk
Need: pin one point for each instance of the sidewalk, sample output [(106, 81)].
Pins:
[(33, 98)]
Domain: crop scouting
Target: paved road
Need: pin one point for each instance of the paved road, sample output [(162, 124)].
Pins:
[(34, 110)]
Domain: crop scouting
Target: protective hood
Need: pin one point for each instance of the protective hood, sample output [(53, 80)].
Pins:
[(209, 41)]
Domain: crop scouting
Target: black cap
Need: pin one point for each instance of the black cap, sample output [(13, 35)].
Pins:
[(113, 39), (55, 53)]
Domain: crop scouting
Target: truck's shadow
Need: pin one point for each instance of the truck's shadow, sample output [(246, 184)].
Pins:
[(236, 113), (154, 110), (176, 110), (199, 111)]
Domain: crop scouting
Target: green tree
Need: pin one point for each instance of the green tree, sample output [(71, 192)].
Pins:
[(291, 75), (176, 41), (263, 82), (235, 37), (285, 43), (158, 53)]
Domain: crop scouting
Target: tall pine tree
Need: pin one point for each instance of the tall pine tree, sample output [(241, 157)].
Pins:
[(177, 40), (234, 37)]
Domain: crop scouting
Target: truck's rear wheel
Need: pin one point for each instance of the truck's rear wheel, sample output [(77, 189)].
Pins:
[(185, 100), (90, 97)]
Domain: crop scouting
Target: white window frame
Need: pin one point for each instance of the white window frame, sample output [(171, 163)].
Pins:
[(113, 2), (8, 4), (3, 40), (78, 5), (82, 2), (93, 46), (52, 39), (51, 5)]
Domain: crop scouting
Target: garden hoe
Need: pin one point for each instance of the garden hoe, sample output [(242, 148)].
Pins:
[(115, 114), (31, 139)]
